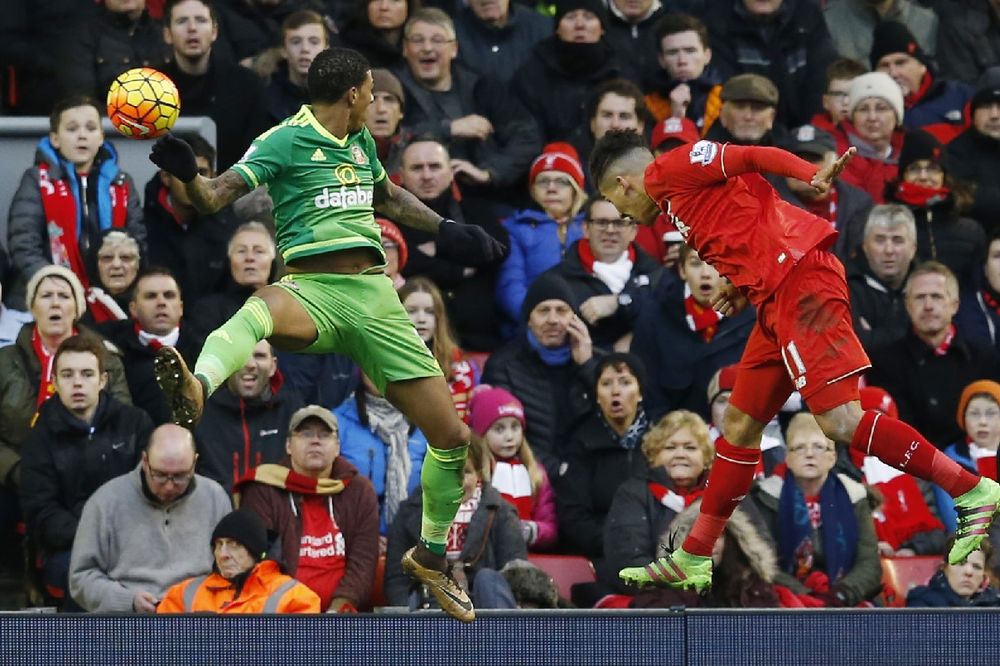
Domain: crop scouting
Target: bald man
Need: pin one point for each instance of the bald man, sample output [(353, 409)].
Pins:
[(144, 531)]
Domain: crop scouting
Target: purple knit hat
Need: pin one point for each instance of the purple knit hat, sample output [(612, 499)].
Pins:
[(491, 405)]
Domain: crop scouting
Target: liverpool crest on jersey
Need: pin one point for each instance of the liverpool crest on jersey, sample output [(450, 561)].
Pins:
[(358, 155)]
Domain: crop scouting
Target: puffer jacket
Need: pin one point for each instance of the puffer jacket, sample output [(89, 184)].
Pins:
[(27, 232), (492, 539), (66, 460), (265, 590), (360, 445), (20, 375), (864, 580), (355, 510)]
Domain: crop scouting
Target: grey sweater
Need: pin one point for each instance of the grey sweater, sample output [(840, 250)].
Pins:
[(125, 542)]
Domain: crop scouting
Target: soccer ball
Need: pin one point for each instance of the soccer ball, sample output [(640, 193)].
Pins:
[(143, 103)]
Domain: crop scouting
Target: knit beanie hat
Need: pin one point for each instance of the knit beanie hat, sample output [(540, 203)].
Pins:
[(893, 37), (987, 87), (878, 399), (558, 156), (724, 379), (595, 7), (489, 406), (876, 84), (392, 232), (62, 273), (386, 81), (546, 287), (246, 528), (919, 145), (982, 386)]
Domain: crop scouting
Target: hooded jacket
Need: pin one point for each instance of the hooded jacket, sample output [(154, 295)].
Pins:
[(974, 158), (355, 510), (264, 590), (235, 435), (66, 460)]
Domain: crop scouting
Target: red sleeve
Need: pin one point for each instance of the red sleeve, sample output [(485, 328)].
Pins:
[(737, 160)]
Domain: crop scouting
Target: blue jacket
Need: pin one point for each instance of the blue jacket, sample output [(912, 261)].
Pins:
[(368, 453), (938, 594), (978, 321), (943, 103), (534, 249), (959, 452)]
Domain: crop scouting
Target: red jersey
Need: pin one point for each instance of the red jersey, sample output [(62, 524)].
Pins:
[(731, 215)]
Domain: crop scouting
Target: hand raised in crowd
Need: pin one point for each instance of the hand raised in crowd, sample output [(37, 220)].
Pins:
[(680, 99), (579, 341), (730, 300), (472, 126), (596, 308), (469, 172)]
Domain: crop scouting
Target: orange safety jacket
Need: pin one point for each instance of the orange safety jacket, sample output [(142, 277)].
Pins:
[(266, 590)]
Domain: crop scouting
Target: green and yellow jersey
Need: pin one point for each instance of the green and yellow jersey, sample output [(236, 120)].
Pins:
[(322, 187)]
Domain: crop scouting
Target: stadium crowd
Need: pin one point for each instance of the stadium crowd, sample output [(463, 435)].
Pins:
[(591, 436)]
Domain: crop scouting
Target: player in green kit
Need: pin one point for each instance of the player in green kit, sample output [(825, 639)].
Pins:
[(326, 182)]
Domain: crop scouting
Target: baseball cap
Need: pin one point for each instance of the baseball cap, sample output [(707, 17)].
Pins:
[(809, 140), (680, 129), (313, 412)]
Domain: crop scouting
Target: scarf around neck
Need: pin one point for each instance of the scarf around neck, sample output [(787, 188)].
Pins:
[(157, 342), (551, 356), (839, 529), (390, 426), (613, 274), (700, 319), (633, 436), (921, 196), (279, 476)]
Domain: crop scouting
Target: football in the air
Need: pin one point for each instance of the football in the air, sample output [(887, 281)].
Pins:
[(143, 103)]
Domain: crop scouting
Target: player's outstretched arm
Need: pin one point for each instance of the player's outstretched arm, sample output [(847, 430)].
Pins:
[(464, 244), (207, 194), (823, 180)]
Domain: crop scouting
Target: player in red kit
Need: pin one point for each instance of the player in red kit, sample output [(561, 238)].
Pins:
[(774, 255)]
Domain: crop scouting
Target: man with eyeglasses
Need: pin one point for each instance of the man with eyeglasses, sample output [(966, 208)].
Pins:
[(144, 531), (837, 94), (491, 137), (610, 276), (324, 512)]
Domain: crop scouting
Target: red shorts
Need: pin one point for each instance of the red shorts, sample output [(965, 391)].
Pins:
[(803, 340)]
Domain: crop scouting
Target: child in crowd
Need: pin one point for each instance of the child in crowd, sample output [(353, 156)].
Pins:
[(497, 421)]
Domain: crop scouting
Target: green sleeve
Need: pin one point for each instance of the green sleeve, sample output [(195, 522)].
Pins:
[(371, 151), (264, 159)]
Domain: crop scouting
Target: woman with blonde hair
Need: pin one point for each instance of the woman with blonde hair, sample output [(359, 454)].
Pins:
[(424, 304), (679, 452)]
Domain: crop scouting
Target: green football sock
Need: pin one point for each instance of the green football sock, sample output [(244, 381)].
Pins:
[(441, 481), (228, 347)]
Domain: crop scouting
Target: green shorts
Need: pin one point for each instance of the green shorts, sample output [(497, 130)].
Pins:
[(360, 315)]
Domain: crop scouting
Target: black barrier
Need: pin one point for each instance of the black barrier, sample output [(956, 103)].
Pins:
[(715, 638)]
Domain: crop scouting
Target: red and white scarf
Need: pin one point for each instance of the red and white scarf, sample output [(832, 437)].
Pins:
[(512, 480), (156, 342), (673, 500), (700, 319)]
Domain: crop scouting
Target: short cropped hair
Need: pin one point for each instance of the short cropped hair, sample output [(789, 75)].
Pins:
[(71, 102), (333, 72), (673, 23), (610, 148), (884, 216), (933, 268), (85, 343), (431, 16)]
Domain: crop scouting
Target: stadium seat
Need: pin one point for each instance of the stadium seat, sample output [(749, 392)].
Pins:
[(377, 597), (566, 570), (901, 574), (614, 601)]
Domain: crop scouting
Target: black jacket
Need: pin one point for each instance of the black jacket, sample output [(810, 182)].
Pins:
[(937, 593), (642, 281), (65, 460), (679, 361), (194, 253), (369, 42), (882, 308), (498, 52), (853, 206), (555, 89), (968, 39), (492, 540), (555, 398), (212, 311), (469, 299), (974, 157), (138, 362), (635, 42), (593, 467), (282, 98), (793, 49), (516, 139), (926, 387), (236, 435)]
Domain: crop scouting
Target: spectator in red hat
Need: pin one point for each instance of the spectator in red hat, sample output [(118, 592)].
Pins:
[(540, 237), (497, 421), (396, 251), (672, 132)]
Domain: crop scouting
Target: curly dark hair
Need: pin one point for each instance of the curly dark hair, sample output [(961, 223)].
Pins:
[(333, 72), (610, 148)]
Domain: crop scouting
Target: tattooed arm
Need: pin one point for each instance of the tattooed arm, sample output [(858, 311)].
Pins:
[(212, 194), (403, 206)]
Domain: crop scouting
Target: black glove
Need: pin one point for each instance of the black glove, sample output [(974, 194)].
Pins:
[(468, 245), (175, 157)]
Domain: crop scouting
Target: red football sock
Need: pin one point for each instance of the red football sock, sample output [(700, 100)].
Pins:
[(728, 482), (899, 445)]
